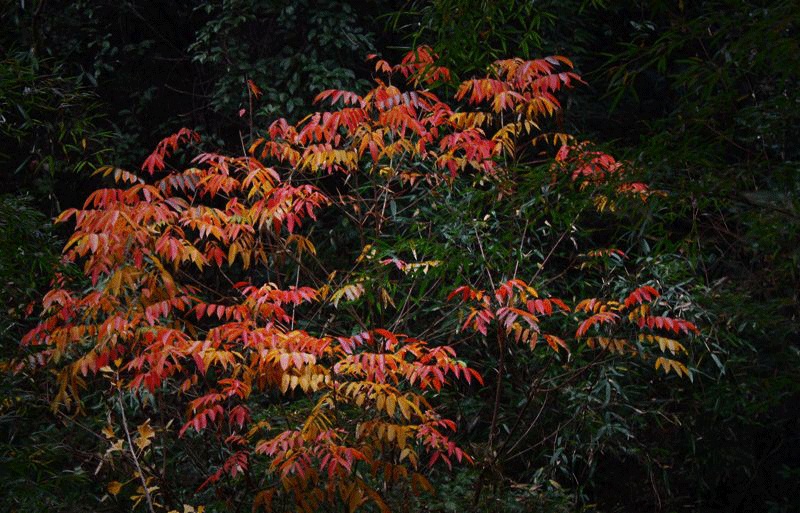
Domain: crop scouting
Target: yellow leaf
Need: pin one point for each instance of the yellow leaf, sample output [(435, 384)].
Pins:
[(114, 283), (386, 299), (303, 382), (114, 487), (350, 292), (674, 365), (285, 382), (303, 244), (232, 252), (404, 409), (355, 499), (367, 252), (145, 434), (108, 432), (117, 446), (402, 433), (391, 402)]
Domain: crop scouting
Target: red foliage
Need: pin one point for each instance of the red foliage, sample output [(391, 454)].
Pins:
[(149, 246)]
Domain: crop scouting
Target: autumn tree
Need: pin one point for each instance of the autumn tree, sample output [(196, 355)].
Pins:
[(288, 317)]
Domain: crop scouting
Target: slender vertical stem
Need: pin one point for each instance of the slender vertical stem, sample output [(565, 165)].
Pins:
[(133, 453), (492, 458), (480, 246), (501, 338)]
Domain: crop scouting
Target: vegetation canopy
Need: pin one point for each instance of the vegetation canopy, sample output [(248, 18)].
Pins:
[(204, 297)]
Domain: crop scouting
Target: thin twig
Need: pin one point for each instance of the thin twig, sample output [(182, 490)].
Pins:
[(501, 335), (480, 246), (552, 250), (133, 453)]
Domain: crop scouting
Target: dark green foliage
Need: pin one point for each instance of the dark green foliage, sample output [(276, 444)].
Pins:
[(470, 35), (39, 472), (156, 69), (311, 46), (722, 139), (701, 97), (48, 127)]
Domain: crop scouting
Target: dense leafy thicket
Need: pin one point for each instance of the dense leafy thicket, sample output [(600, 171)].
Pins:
[(703, 95), (698, 216)]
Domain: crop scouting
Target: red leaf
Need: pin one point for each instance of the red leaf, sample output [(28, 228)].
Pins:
[(598, 318), (641, 295), (155, 161), (254, 89)]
